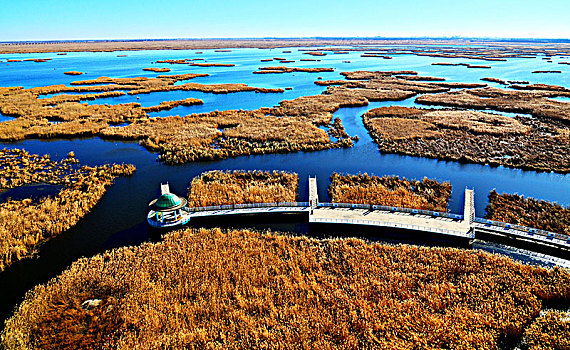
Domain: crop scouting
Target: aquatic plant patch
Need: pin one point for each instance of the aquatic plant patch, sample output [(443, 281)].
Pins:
[(242, 187), (530, 212), (243, 289), (390, 191), (471, 136), (25, 224)]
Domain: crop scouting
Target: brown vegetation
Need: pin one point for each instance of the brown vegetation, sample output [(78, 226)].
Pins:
[(468, 65), (543, 87), (269, 70), (157, 70), (25, 225), (550, 330), (468, 136), (529, 212), (168, 105), (495, 80), (218, 135), (72, 73), (212, 64), (242, 187), (390, 191), (468, 49), (35, 116), (315, 53), (376, 55), (533, 102), (242, 289)]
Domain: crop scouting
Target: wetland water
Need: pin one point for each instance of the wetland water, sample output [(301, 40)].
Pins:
[(120, 217)]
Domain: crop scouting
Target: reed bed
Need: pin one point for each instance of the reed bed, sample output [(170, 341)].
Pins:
[(477, 122), (468, 136), (168, 105), (390, 191), (535, 102), (550, 330), (19, 168), (157, 70), (491, 50), (18, 102), (468, 65), (219, 135), (530, 212), (212, 64), (277, 70), (242, 289), (495, 80), (25, 225), (242, 187)]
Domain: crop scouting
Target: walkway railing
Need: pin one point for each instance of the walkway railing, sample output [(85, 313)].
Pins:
[(247, 206), (478, 222), (435, 214), (529, 231)]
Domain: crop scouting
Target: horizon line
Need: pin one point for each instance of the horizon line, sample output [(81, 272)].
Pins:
[(467, 38)]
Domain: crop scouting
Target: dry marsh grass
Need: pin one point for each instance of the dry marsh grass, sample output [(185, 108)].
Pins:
[(550, 330), (531, 101), (242, 289), (25, 225), (241, 187), (25, 103), (477, 122), (168, 105), (403, 128), (157, 70), (530, 212), (470, 136), (277, 70), (390, 191), (219, 135)]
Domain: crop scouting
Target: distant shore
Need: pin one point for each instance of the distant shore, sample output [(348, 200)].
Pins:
[(202, 44)]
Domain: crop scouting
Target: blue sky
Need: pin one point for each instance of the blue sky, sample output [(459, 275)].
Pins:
[(130, 19)]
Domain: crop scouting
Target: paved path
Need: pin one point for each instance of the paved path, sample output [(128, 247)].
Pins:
[(391, 219)]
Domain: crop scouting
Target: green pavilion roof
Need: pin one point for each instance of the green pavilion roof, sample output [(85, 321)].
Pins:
[(168, 202)]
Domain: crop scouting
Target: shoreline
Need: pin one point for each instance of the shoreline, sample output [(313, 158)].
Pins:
[(260, 43)]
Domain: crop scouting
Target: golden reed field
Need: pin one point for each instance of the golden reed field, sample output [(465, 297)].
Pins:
[(530, 212), (25, 224), (240, 187), (240, 289), (390, 191)]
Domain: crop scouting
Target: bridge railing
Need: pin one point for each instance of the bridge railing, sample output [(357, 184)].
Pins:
[(528, 230), (247, 206), (392, 224), (392, 209)]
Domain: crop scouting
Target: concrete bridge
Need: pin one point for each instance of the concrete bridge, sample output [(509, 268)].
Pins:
[(466, 226)]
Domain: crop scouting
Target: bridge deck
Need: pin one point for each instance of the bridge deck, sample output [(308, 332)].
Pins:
[(391, 219)]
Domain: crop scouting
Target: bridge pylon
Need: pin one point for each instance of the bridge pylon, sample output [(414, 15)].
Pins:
[(469, 207), (313, 193)]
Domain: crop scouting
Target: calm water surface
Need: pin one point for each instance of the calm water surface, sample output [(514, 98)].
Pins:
[(119, 219)]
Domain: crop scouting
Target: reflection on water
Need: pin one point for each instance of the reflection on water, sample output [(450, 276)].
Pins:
[(32, 191)]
